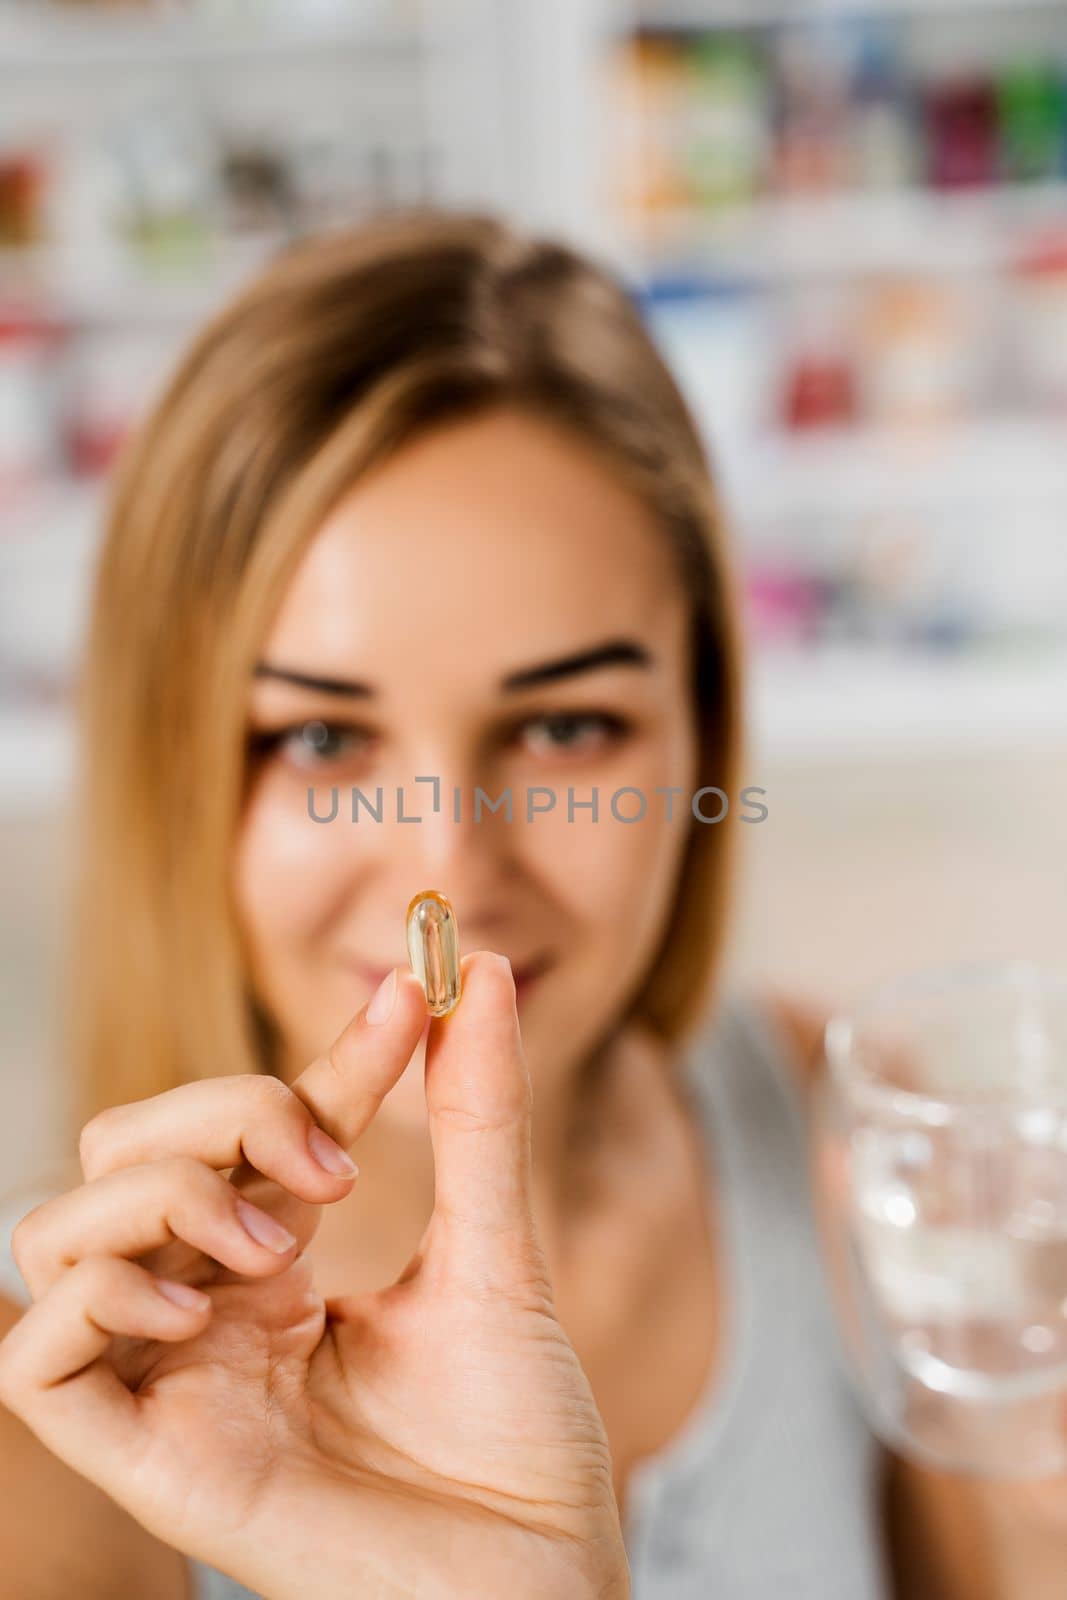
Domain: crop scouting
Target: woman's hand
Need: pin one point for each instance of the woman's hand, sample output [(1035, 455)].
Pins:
[(437, 1437)]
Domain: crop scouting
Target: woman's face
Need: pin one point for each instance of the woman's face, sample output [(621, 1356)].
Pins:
[(464, 591)]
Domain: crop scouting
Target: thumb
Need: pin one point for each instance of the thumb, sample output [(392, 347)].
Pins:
[(479, 1102)]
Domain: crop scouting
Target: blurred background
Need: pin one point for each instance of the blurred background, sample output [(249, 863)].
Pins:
[(847, 225)]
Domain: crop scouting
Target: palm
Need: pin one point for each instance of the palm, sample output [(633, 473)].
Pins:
[(446, 1379), (358, 1391)]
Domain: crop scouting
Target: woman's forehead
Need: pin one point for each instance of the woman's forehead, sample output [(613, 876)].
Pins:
[(495, 537)]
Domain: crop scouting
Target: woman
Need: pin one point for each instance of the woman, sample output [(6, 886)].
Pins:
[(422, 512)]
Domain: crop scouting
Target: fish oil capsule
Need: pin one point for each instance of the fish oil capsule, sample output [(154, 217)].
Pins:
[(433, 950)]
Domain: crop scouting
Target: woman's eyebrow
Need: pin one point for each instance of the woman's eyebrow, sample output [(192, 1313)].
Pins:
[(309, 680), (614, 652)]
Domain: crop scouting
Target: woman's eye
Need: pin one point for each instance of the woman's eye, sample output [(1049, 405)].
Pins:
[(312, 744), (566, 732)]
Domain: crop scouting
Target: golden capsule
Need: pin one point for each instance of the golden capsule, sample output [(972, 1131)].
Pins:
[(433, 950)]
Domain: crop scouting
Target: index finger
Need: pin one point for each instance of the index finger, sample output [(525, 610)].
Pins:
[(344, 1087)]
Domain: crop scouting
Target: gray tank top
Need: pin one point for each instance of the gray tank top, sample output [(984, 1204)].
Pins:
[(772, 1486)]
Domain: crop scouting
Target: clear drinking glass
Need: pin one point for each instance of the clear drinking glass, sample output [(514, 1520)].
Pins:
[(941, 1193)]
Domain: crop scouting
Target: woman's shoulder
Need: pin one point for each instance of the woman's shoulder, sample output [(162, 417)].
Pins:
[(784, 1026), (800, 1023)]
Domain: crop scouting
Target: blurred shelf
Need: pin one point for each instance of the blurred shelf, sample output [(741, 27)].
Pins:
[(1007, 461), (694, 14), (54, 509), (48, 547), (850, 704), (82, 286), (52, 40), (36, 761), (840, 235)]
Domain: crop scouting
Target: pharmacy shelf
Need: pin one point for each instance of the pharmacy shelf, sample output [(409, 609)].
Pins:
[(43, 41), (36, 761), (48, 549), (1016, 462), (845, 235), (58, 508), (49, 538), (851, 704), (695, 14), (108, 284)]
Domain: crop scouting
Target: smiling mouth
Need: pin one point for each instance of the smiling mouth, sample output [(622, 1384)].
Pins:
[(525, 976)]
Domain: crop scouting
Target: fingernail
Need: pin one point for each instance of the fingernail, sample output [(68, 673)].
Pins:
[(329, 1154), (263, 1227), (183, 1294), (383, 999)]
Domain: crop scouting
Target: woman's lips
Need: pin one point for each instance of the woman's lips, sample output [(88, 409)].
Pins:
[(525, 976)]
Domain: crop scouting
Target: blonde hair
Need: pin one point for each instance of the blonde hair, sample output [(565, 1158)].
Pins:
[(344, 348)]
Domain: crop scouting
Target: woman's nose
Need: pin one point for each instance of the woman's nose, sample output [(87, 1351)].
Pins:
[(453, 827)]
